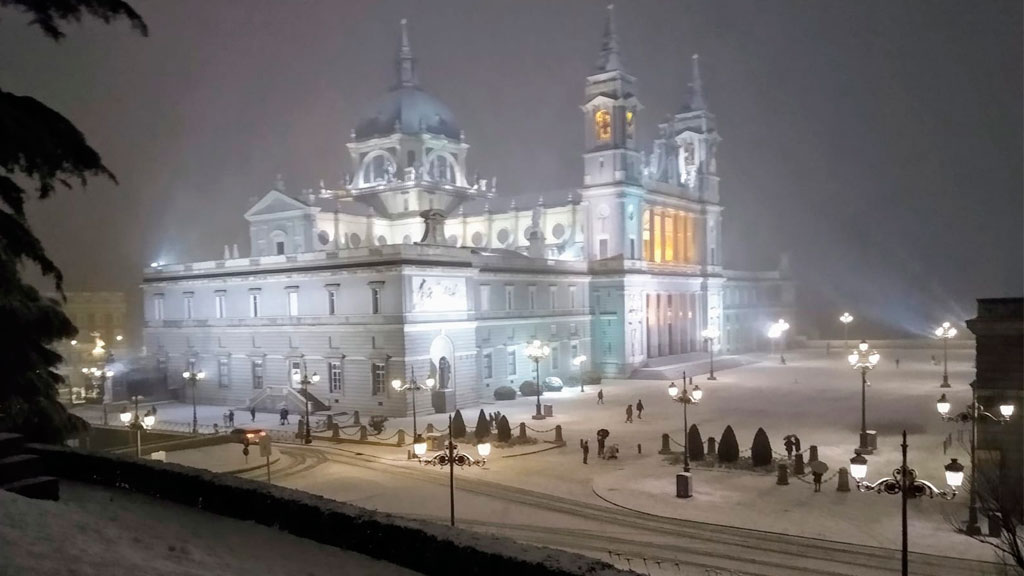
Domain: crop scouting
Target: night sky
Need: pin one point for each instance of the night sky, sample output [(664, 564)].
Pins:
[(878, 142)]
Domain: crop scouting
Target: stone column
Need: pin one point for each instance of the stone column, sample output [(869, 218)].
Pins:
[(663, 339), (649, 324)]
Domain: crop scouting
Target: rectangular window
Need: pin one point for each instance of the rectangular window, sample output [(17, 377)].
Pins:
[(485, 298), (158, 307), (188, 307), (572, 297), (632, 248), (295, 367), (379, 375), (279, 247), (332, 302), (254, 305), (508, 297), (512, 362), (224, 372), (219, 305), (488, 366), (574, 349), (553, 297), (336, 376), (572, 328), (257, 374), (293, 303), (533, 297), (554, 357), (602, 248), (554, 329), (375, 300)]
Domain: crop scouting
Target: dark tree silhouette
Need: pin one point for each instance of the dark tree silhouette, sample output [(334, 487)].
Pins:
[(695, 443), (504, 430), (458, 425), (483, 427), (40, 150), (728, 448), (761, 449)]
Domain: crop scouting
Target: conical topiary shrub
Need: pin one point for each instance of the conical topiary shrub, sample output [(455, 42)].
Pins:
[(458, 425), (695, 444), (483, 427), (761, 449), (728, 448), (504, 430)]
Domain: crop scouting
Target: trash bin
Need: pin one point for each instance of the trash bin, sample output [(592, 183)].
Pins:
[(684, 485), (549, 410)]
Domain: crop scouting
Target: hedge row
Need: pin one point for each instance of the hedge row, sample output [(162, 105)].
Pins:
[(417, 545)]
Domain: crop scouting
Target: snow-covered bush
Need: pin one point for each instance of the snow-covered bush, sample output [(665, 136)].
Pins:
[(528, 388), (553, 384), (504, 393)]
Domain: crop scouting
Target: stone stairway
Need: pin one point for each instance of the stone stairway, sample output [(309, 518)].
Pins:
[(22, 473)]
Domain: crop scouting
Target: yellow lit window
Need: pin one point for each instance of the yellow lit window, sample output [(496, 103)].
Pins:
[(603, 124)]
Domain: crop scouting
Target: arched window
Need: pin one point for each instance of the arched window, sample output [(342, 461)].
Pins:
[(442, 169), (377, 167), (603, 124)]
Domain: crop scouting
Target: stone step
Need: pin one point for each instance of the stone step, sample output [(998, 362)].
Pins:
[(38, 488), (11, 444), (20, 467)]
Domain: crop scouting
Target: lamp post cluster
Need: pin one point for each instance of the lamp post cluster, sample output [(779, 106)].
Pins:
[(711, 334), (98, 376), (419, 445), (945, 332), (846, 318), (452, 457), (193, 379), (536, 351), (904, 482), (972, 414), (863, 359), (137, 424), (686, 398), (775, 331), (305, 379)]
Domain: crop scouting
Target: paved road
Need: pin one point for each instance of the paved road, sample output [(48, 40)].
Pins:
[(651, 545)]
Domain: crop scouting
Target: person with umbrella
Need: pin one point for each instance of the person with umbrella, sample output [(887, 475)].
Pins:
[(818, 469)]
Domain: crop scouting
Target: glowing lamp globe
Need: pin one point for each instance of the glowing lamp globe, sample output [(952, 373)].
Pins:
[(873, 358), (125, 416), (954, 473), (1006, 410), (858, 467), (74, 342), (109, 373), (85, 370), (201, 375), (673, 390), (430, 383), (484, 449), (315, 377), (148, 420), (419, 447), (863, 346), (296, 377), (396, 384), (942, 405), (852, 359), (697, 393), (186, 374)]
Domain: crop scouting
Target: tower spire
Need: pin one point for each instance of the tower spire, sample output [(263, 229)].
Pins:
[(610, 58), (405, 63), (696, 87)]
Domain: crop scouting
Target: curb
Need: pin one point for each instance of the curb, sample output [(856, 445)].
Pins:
[(250, 468), (545, 449)]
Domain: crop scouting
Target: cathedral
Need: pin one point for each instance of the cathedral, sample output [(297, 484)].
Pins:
[(406, 273)]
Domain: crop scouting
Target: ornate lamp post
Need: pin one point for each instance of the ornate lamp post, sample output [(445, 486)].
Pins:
[(710, 334), (98, 377), (578, 363), (846, 318), (972, 414), (945, 332), (536, 351), (305, 379), (193, 379), (451, 457), (776, 331), (419, 445), (136, 424), (686, 398), (904, 481), (863, 359)]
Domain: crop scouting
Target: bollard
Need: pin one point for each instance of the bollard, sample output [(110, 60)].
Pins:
[(401, 437), (664, 445), (302, 428), (798, 465), (430, 429), (330, 421), (362, 432), (711, 446), (335, 430), (684, 485), (355, 417), (783, 479), (639, 449), (843, 484), (558, 434), (581, 443), (522, 430), (813, 456)]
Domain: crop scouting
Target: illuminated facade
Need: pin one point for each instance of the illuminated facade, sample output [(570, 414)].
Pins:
[(405, 266)]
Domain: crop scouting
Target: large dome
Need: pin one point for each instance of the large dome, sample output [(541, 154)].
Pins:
[(413, 110)]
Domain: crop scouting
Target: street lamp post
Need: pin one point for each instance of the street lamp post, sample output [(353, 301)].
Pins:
[(136, 424), (451, 457), (536, 351), (972, 414), (193, 379), (305, 379), (419, 445), (863, 359), (776, 331), (710, 334), (578, 363), (904, 482), (846, 318), (686, 398), (945, 332), (98, 377)]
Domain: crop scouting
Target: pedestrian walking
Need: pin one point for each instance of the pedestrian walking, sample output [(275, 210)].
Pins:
[(586, 450), (282, 415), (897, 363), (224, 417), (602, 436), (231, 418), (153, 410), (789, 447), (639, 409), (796, 443), (629, 414), (817, 481), (600, 396), (252, 412)]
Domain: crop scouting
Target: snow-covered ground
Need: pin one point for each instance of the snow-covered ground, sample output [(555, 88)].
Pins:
[(98, 531)]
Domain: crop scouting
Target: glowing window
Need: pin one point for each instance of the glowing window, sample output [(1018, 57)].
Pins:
[(603, 124)]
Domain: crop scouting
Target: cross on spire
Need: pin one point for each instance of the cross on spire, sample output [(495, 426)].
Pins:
[(610, 59), (696, 87), (405, 64)]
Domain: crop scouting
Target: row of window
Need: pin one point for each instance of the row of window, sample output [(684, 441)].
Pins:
[(532, 301), (255, 303), (512, 360), (335, 373)]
